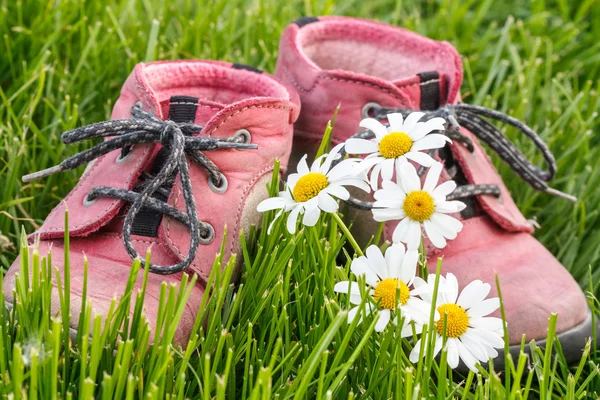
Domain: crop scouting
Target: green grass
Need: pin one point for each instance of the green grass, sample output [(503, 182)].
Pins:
[(281, 332)]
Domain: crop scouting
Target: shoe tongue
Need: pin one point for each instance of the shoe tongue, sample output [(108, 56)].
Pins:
[(427, 90), (180, 109), (190, 109)]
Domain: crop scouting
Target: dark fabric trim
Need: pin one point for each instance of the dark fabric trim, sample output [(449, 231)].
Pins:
[(305, 21), (246, 67), (430, 90), (181, 109)]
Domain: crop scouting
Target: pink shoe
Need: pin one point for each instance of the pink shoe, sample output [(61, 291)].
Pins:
[(368, 66), (130, 197)]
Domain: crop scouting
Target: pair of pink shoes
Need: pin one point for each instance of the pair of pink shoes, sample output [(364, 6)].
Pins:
[(158, 177)]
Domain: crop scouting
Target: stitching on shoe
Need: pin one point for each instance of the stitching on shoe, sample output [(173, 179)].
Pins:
[(117, 236), (420, 83), (242, 202), (243, 109), (296, 84), (78, 187)]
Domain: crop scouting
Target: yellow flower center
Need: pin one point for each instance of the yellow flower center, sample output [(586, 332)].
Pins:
[(419, 205), (395, 144), (309, 186), (457, 320), (385, 293)]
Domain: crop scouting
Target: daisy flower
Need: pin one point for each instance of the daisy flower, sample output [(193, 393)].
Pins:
[(471, 335), (403, 140), (310, 191), (417, 206), (389, 280)]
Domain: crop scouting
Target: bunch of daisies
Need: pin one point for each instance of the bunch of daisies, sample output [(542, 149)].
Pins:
[(390, 281)]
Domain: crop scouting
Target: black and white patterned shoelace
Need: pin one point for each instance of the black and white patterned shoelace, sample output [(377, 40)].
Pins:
[(177, 139), (473, 118)]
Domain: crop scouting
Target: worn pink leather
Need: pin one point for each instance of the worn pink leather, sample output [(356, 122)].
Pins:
[(229, 99), (350, 62)]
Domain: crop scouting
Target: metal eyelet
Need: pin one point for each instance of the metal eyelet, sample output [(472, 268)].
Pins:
[(221, 188), (207, 235), (87, 201), (121, 158), (244, 133), (367, 110)]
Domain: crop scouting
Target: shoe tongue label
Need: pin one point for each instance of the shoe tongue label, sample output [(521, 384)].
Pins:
[(430, 90), (182, 109)]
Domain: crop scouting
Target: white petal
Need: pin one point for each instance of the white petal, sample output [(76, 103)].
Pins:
[(338, 191), (487, 323), (452, 288), (411, 121), (484, 308), (473, 344), (311, 216), (396, 121), (360, 146), (346, 287), (327, 203), (394, 256), (376, 261), (273, 222), (434, 124), (344, 169), (293, 219), (387, 214), (352, 314), (434, 234), (409, 234), (302, 167), (408, 179), (446, 225), (467, 357), (369, 162), (487, 337), (418, 310), (384, 319), (360, 267), (374, 126), (420, 158), (409, 266), (444, 189), (387, 169), (433, 176), (358, 183), (452, 349), (374, 179), (271, 204), (432, 141), (393, 187), (415, 353), (473, 293), (450, 207)]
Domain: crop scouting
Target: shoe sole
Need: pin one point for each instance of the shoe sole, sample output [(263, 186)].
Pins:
[(572, 341)]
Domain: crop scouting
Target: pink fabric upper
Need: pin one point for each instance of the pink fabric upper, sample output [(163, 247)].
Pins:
[(351, 62), (230, 99)]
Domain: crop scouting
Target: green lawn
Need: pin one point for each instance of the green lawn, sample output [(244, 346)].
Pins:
[(282, 332)]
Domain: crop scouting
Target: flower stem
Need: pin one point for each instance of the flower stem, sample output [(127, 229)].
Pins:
[(347, 233)]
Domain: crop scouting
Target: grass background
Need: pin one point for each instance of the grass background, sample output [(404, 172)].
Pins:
[(62, 64)]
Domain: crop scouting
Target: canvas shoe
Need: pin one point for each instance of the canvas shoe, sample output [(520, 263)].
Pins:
[(223, 123), (368, 67)]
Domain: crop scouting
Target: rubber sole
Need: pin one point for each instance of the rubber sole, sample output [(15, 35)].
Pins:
[(573, 342)]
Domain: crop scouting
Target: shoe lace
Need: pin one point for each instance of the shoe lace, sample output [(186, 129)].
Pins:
[(177, 139), (472, 117)]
